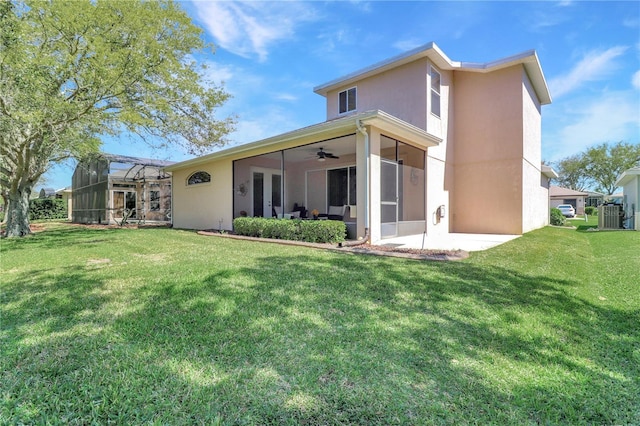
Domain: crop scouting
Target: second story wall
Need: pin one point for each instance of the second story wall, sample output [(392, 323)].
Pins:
[(401, 92), (488, 151)]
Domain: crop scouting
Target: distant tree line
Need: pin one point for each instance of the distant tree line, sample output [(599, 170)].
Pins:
[(598, 167)]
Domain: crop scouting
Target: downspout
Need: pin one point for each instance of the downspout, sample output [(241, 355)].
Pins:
[(366, 237)]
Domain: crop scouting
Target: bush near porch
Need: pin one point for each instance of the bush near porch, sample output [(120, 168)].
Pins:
[(311, 231)]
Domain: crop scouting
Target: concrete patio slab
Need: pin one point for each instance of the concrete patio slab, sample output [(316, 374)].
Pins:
[(453, 241)]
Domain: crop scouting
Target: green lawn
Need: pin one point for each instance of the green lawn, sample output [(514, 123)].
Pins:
[(160, 326)]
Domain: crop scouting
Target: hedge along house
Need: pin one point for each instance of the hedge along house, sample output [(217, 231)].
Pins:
[(417, 143), (108, 188)]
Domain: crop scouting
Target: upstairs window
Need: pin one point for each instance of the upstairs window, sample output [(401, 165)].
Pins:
[(198, 177), (347, 100), (435, 92)]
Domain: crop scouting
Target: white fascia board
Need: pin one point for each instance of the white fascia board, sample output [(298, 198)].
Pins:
[(429, 49), (549, 172), (528, 59), (402, 129), (376, 118), (627, 176)]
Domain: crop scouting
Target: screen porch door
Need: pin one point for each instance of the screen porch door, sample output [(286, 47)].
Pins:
[(266, 192)]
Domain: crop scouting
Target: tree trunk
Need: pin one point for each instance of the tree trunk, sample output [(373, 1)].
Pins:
[(5, 206), (17, 214)]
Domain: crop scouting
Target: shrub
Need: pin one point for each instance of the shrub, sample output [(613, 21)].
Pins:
[(557, 218), (47, 208), (312, 231), (591, 211)]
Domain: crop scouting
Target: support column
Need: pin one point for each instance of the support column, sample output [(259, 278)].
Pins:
[(361, 184), (374, 185)]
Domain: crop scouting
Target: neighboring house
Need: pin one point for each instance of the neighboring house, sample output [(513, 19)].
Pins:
[(63, 194), (417, 143), (594, 199), (109, 188), (66, 195), (47, 193), (630, 183), (559, 195)]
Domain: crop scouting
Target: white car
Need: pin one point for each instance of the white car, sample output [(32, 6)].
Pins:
[(567, 210)]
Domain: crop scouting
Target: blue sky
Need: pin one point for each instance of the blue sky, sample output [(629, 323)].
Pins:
[(270, 55)]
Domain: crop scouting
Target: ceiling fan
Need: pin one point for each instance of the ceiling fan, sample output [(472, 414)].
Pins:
[(322, 155)]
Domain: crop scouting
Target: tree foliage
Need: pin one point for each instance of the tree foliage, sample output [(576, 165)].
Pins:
[(604, 163), (572, 174), (72, 71), (598, 167)]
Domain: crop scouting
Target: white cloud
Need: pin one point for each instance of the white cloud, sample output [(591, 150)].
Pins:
[(635, 80), (251, 28), (593, 67), (406, 45), (218, 73), (259, 126), (610, 117), (286, 97)]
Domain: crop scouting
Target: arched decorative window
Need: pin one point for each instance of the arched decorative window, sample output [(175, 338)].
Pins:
[(198, 177)]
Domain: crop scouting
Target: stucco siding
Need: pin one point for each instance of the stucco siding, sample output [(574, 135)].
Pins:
[(437, 196), (631, 193), (490, 201), (488, 152), (400, 92), (202, 206), (535, 200)]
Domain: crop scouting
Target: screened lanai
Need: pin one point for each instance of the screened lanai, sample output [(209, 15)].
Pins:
[(323, 176)]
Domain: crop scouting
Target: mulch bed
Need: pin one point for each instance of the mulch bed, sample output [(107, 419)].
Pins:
[(406, 253)]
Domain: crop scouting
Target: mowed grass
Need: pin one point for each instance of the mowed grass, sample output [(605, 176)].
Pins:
[(160, 326)]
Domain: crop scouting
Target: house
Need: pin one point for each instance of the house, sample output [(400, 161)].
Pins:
[(111, 188), (630, 183), (559, 195), (47, 193), (594, 199), (66, 195), (416, 143)]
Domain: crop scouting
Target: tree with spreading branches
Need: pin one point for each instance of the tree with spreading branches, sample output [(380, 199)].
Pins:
[(71, 72), (598, 167)]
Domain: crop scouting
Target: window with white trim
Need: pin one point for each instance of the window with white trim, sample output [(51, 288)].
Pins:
[(347, 100), (198, 177), (435, 92)]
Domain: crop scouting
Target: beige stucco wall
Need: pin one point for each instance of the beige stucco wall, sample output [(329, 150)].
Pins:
[(631, 193), (488, 152), (202, 206), (535, 199), (400, 92)]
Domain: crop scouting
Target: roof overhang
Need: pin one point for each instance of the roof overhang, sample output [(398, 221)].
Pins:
[(387, 123), (549, 172), (529, 60), (627, 176)]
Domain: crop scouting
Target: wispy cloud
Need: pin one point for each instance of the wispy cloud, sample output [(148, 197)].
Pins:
[(251, 28), (263, 124), (408, 44), (635, 80), (595, 65), (611, 117), (286, 97)]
